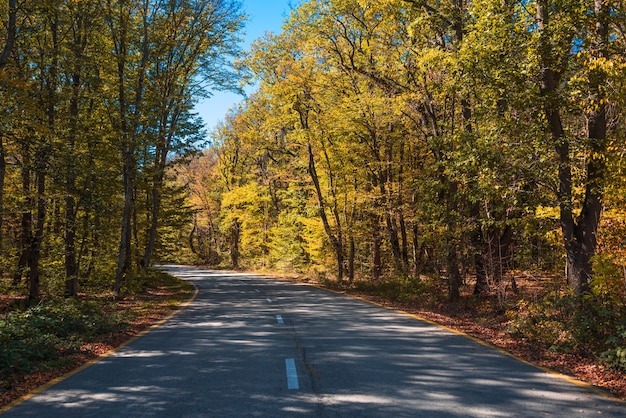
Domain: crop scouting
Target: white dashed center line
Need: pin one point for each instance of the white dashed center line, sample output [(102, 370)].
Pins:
[(292, 374)]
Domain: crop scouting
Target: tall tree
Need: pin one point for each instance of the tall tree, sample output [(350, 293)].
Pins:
[(83, 23), (563, 37), (191, 41), (9, 43), (128, 25)]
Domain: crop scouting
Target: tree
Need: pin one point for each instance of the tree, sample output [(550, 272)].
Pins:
[(83, 17), (9, 44), (574, 55), (191, 40), (128, 28)]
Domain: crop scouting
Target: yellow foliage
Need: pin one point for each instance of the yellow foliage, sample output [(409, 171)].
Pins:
[(547, 212)]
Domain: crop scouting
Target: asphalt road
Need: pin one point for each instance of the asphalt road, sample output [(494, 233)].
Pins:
[(255, 347)]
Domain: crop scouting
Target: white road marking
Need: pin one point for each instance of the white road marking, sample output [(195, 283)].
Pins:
[(292, 374), (279, 319), (269, 300)]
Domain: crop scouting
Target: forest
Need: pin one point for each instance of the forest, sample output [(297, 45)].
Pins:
[(454, 149), (97, 100)]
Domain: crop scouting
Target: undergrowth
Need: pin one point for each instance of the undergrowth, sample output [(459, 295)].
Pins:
[(43, 332), (592, 324)]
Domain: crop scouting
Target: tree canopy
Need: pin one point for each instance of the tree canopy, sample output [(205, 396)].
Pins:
[(98, 103), (400, 137)]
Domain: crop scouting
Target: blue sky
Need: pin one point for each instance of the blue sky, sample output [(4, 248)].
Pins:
[(263, 16)]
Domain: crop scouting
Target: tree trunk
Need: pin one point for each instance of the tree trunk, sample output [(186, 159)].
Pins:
[(126, 150), (579, 235), (26, 223), (336, 244), (129, 131), (235, 232), (478, 248), (10, 35), (392, 232), (72, 256), (96, 244), (82, 250), (482, 285), (166, 133), (351, 256), (452, 260), (4, 58), (37, 238), (3, 170), (335, 241), (41, 158), (417, 251), (452, 270), (405, 243), (192, 234), (154, 221), (377, 265), (584, 244), (123, 260), (71, 263)]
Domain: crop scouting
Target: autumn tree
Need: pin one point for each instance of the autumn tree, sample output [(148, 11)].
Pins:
[(575, 50), (11, 33), (78, 127), (422, 136), (192, 42)]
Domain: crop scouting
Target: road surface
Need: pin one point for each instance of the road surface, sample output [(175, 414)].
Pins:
[(255, 347)]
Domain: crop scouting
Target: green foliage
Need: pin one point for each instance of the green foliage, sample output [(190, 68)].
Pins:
[(615, 355), (42, 332), (609, 286), (543, 321), (592, 324), (403, 289)]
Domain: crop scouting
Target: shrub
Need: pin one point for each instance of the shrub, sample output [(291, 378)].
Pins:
[(615, 355), (544, 321), (40, 333), (593, 323)]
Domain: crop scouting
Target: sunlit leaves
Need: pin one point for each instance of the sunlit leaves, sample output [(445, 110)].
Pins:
[(426, 127), (95, 91)]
